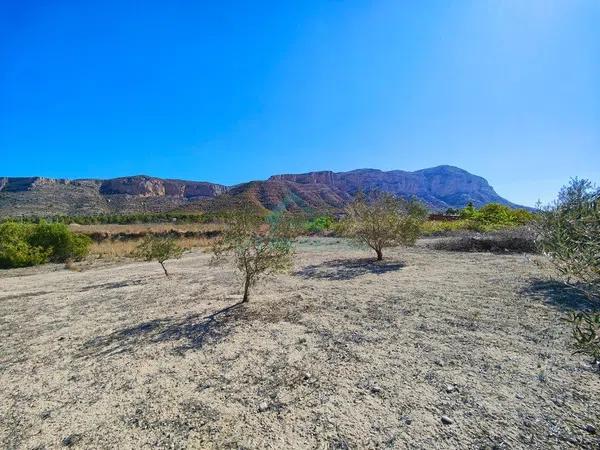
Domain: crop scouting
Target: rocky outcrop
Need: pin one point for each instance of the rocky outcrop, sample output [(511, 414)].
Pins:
[(20, 184), (143, 186)]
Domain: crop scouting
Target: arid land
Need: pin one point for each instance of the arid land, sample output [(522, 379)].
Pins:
[(339, 353)]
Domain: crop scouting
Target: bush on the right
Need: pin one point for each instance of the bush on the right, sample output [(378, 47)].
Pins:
[(569, 235)]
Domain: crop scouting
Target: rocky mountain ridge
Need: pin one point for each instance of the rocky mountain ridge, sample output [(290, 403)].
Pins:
[(438, 187)]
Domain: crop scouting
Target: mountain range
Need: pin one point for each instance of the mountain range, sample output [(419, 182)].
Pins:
[(439, 188)]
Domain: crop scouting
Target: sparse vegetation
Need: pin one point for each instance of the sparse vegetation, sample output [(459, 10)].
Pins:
[(569, 234), (159, 249), (24, 244), (123, 219), (586, 334), (319, 224), (257, 247), (512, 240), (384, 221), (491, 217)]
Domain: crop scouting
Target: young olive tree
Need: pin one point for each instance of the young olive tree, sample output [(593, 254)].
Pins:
[(385, 221), (258, 247), (568, 233), (160, 249)]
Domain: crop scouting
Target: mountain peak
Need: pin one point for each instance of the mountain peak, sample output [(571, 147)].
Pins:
[(438, 187)]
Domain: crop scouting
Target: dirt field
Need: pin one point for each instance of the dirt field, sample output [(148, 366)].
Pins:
[(341, 353)]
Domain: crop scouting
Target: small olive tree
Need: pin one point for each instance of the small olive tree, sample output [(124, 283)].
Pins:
[(160, 249), (258, 247), (568, 233), (384, 221)]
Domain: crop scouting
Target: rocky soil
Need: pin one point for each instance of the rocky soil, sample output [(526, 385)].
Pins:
[(428, 349)]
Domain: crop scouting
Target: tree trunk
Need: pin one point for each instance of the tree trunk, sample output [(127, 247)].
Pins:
[(165, 269), (246, 290), (379, 254)]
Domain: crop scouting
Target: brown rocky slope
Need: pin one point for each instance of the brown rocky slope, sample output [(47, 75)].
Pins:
[(439, 188)]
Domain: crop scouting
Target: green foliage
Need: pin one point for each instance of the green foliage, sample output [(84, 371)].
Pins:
[(258, 247), (441, 227), (494, 216), (160, 249), (15, 250), (569, 234), (468, 212), (121, 219), (491, 217), (64, 245), (24, 244), (319, 224), (385, 221), (586, 334)]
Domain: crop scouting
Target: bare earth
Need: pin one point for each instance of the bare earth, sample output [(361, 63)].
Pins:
[(341, 353)]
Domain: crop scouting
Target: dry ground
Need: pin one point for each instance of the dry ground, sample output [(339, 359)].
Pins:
[(341, 353)]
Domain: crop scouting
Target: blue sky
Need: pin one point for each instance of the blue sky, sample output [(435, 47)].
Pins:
[(233, 91)]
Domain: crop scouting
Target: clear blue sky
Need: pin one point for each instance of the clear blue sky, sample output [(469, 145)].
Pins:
[(233, 91)]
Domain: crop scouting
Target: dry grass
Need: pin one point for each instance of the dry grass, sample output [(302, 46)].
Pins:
[(117, 249), (141, 228)]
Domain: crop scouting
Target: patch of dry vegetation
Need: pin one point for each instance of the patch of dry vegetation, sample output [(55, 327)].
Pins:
[(117, 249)]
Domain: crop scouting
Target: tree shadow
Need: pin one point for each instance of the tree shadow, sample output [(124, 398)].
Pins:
[(559, 295), (347, 269), (192, 332), (112, 285)]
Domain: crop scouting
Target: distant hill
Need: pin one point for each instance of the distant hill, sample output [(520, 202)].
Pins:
[(439, 188)]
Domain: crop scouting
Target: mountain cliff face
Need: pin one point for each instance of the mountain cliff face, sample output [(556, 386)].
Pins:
[(439, 188), (45, 196)]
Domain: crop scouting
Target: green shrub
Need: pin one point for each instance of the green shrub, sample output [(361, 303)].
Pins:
[(15, 250), (569, 234), (491, 217), (63, 244), (319, 224), (26, 244), (443, 227)]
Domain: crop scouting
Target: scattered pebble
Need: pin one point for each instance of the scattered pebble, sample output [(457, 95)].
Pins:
[(558, 402), (263, 407), (447, 420), (408, 421), (376, 389), (450, 388), (590, 428), (70, 440), (520, 396), (439, 362)]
